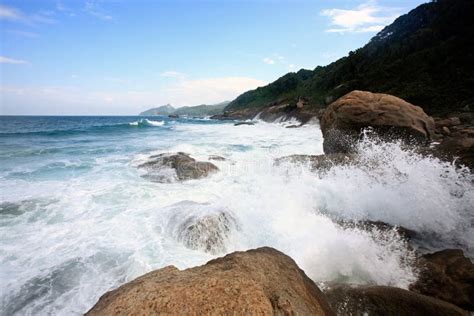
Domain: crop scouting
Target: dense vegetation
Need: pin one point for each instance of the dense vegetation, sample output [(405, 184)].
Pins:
[(425, 57)]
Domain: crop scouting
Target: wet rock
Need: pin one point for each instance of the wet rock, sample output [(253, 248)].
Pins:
[(384, 300), (175, 116), (445, 130), (216, 157), (293, 126), (459, 144), (263, 281), (448, 122), (368, 225), (320, 162), (206, 232), (389, 116), (447, 275), (244, 123), (185, 167)]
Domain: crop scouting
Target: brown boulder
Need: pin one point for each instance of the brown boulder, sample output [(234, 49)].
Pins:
[(384, 300), (185, 167), (449, 276), (389, 116), (263, 281)]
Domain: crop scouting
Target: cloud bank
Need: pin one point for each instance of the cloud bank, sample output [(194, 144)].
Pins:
[(367, 17), (72, 100)]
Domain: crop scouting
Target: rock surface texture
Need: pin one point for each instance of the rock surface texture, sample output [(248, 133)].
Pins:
[(447, 275), (263, 281), (389, 116), (184, 166), (384, 300)]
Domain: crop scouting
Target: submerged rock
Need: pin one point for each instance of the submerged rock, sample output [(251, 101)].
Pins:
[(217, 158), (263, 281), (370, 226), (201, 226), (184, 166), (200, 230), (244, 123), (385, 300), (447, 275), (389, 116), (320, 162), (208, 233)]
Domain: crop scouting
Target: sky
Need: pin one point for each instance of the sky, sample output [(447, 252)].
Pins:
[(120, 57)]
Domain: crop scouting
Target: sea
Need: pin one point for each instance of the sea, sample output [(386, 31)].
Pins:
[(78, 217)]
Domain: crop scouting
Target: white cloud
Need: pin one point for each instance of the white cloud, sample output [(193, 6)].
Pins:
[(9, 13), (268, 61), (13, 14), (367, 17), (76, 100), (173, 74), (6, 60), (92, 8)]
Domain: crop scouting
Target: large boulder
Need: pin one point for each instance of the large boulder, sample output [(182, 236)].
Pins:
[(385, 300), (263, 281), (389, 116), (183, 167), (447, 275)]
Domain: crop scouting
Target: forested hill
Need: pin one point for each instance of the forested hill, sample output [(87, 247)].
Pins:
[(425, 57)]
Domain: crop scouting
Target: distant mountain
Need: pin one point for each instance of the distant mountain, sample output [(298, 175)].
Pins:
[(197, 110), (161, 110), (425, 57)]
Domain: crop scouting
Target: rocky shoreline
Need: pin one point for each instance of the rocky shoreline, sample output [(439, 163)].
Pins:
[(266, 281)]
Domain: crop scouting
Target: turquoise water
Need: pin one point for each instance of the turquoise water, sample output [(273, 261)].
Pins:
[(78, 219)]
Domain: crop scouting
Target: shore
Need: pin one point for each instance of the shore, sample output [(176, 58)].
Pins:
[(443, 284)]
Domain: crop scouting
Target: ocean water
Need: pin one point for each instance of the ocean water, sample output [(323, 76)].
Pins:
[(77, 217)]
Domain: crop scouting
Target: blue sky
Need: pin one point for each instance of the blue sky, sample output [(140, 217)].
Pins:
[(121, 57)]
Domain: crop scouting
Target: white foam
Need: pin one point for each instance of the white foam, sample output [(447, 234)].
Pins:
[(108, 225), (147, 122)]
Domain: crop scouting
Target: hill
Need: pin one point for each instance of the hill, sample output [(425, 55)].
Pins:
[(197, 110), (425, 57), (161, 110)]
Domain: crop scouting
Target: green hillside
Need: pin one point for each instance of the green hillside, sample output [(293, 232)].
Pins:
[(425, 57)]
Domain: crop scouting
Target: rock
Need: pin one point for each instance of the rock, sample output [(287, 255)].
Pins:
[(384, 300), (389, 116), (185, 167), (320, 162), (263, 281), (199, 227), (173, 116), (287, 111), (292, 126), (216, 157), (459, 144), (368, 225), (446, 130), (447, 275), (450, 121), (244, 123)]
